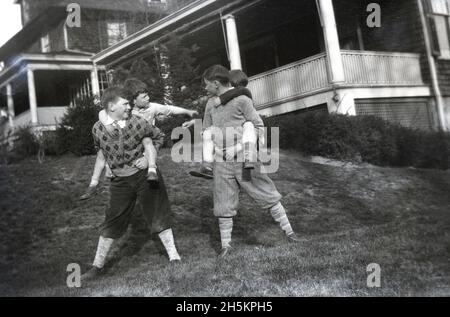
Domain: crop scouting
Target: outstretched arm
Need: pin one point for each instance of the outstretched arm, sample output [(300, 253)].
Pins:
[(172, 110), (183, 111)]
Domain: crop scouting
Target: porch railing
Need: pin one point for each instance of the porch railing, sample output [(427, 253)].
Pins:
[(381, 68), (289, 81)]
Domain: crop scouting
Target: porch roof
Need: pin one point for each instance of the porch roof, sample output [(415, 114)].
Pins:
[(45, 62), (142, 38)]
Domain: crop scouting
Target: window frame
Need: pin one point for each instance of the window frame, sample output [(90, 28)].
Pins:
[(437, 37), (119, 37)]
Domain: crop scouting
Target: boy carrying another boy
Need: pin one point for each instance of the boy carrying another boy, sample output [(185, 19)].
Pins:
[(228, 178), (239, 81), (122, 150), (142, 107)]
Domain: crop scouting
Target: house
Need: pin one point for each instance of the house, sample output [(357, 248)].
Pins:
[(304, 55), (48, 63), (320, 55)]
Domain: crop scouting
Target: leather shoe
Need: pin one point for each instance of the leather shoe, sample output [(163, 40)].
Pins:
[(225, 253), (293, 238), (92, 274), (90, 192), (205, 172)]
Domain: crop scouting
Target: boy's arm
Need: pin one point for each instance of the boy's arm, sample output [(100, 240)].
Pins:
[(156, 135), (100, 163), (207, 119), (172, 110)]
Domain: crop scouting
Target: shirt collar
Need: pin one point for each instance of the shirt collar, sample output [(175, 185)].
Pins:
[(110, 121)]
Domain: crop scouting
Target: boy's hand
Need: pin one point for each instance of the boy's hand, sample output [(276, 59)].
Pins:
[(230, 153), (192, 113), (188, 124), (141, 163)]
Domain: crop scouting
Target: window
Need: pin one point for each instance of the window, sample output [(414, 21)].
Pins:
[(440, 6), (157, 3), (117, 31), (441, 16), (45, 43), (152, 2), (103, 80)]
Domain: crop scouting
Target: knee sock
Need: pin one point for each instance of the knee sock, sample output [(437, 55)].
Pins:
[(169, 244), (279, 215), (104, 245), (250, 152), (226, 227)]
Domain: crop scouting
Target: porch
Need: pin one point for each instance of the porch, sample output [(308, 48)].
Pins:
[(37, 89), (362, 69), (298, 54)]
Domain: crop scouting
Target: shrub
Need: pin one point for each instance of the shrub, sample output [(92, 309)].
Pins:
[(75, 132), (26, 143), (367, 138)]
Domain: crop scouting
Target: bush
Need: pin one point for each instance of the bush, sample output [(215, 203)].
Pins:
[(75, 132), (367, 138), (26, 143), (52, 144)]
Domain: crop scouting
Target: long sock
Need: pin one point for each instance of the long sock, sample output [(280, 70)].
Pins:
[(250, 152), (279, 215), (104, 245), (169, 244), (226, 227)]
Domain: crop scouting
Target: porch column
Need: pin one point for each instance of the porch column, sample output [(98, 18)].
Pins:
[(336, 66), (10, 102), (233, 42), (32, 97), (94, 81)]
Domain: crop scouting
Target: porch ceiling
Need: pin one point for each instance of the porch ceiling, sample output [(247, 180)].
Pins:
[(252, 22), (134, 43)]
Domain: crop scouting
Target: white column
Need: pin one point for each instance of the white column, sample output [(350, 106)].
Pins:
[(32, 97), (94, 82), (233, 42), (336, 66), (10, 102)]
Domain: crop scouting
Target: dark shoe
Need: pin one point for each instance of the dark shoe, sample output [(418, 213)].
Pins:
[(225, 253), (293, 238), (205, 172), (90, 192), (153, 180), (92, 274), (175, 262), (249, 165), (246, 175)]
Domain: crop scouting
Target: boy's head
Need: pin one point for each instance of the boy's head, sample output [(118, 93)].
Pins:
[(115, 102), (216, 77), (238, 78), (137, 92)]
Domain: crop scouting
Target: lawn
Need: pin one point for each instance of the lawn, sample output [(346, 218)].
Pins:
[(349, 216)]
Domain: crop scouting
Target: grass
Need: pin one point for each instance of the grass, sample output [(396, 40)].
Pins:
[(349, 217)]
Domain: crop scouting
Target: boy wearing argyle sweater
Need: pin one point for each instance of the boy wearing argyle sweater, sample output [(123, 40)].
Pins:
[(123, 151)]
